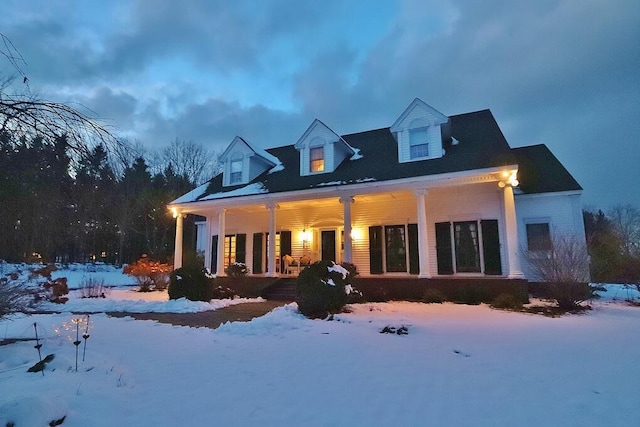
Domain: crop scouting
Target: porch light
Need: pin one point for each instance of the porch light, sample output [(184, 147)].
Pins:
[(306, 237), (356, 234), (174, 212), (509, 178)]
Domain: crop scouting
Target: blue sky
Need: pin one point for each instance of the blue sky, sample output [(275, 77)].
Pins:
[(564, 73)]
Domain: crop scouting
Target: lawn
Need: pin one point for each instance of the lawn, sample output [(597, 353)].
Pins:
[(458, 365)]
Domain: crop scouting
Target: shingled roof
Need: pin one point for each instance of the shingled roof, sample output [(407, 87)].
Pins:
[(539, 171), (480, 145)]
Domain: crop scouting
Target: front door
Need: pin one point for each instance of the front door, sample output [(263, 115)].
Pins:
[(328, 238)]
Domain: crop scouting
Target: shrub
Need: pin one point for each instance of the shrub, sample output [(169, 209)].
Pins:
[(433, 296), (222, 292), (93, 288), (472, 295), (14, 297), (237, 270), (321, 289), (54, 290), (191, 282), (150, 275), (569, 295), (506, 302)]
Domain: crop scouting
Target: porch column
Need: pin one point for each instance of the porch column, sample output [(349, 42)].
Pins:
[(348, 241), (207, 249), (511, 225), (423, 237), (177, 253), (271, 266), (221, 234)]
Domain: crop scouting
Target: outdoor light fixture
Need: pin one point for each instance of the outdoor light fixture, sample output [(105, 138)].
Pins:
[(509, 178), (174, 212), (356, 234), (306, 238)]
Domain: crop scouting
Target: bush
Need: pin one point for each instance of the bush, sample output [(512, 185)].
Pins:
[(93, 288), (321, 289), (569, 295), (150, 275), (14, 297), (472, 295), (191, 282), (432, 296), (237, 270), (506, 302), (222, 292)]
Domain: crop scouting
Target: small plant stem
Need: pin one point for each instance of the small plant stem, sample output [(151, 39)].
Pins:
[(77, 343), (38, 346), (85, 336)]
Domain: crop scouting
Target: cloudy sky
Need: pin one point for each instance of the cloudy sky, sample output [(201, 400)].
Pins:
[(565, 73)]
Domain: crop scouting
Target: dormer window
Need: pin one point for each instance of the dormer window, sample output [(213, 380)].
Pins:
[(236, 172), (418, 143), (316, 155)]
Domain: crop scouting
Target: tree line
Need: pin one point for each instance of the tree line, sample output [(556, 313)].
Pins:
[(60, 207), (613, 241)]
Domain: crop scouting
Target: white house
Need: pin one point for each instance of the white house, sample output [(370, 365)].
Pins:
[(431, 196)]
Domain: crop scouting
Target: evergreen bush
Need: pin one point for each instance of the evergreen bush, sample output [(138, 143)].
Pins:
[(191, 282), (321, 289), (433, 296), (506, 302)]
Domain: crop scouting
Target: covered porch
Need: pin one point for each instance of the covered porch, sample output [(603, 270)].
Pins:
[(456, 226)]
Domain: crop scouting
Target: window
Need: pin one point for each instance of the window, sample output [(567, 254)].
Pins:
[(467, 247), (538, 237), (395, 248), (229, 250), (418, 143), (236, 172), (317, 159)]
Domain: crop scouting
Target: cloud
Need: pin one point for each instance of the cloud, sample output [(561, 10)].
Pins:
[(558, 72)]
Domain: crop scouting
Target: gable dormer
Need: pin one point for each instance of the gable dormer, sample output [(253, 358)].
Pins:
[(242, 162), (419, 131), (321, 149)]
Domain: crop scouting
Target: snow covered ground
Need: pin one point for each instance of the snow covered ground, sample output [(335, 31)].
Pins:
[(457, 366)]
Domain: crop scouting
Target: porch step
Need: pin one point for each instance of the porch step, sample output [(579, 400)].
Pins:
[(281, 290)]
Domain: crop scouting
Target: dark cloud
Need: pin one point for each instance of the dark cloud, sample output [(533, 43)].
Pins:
[(558, 72)]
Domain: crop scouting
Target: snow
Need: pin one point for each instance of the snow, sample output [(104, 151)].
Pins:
[(459, 365), (329, 183), (192, 195), (356, 154), (255, 188)]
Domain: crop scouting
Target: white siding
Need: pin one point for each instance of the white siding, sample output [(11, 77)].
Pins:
[(563, 212)]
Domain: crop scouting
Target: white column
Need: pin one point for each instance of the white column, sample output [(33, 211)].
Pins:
[(221, 233), (423, 237), (511, 225), (177, 253), (208, 241), (348, 242), (272, 241)]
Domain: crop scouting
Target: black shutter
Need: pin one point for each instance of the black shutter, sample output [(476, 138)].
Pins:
[(491, 247), (214, 254), (443, 248), (375, 250), (285, 246), (257, 253), (241, 248), (414, 253)]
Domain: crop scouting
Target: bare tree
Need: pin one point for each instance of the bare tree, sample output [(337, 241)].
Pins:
[(565, 268), (189, 159), (24, 115), (625, 220)]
